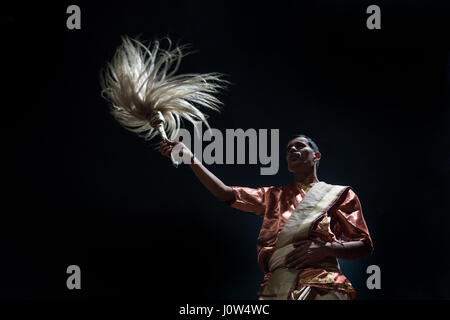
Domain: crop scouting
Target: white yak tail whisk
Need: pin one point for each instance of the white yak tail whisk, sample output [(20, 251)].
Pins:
[(146, 95)]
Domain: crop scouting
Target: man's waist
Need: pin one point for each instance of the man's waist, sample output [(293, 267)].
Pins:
[(277, 261)]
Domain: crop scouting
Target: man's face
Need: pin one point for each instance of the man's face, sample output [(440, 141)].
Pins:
[(299, 154)]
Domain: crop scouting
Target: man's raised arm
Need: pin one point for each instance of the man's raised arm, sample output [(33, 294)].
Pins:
[(206, 177)]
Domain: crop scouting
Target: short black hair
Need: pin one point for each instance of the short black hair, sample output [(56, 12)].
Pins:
[(311, 143)]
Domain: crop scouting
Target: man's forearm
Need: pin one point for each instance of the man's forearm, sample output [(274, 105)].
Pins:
[(211, 182), (348, 250)]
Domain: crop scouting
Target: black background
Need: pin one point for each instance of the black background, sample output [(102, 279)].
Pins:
[(79, 189)]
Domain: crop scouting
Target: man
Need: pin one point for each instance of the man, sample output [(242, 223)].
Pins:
[(304, 224)]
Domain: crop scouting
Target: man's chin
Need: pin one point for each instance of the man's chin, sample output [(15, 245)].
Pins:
[(294, 167)]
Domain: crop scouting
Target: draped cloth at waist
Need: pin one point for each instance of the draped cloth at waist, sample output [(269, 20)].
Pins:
[(283, 280)]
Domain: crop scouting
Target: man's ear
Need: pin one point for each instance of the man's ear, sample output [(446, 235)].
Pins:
[(317, 155)]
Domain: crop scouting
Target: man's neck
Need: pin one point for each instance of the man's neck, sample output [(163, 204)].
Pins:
[(305, 178)]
